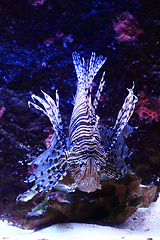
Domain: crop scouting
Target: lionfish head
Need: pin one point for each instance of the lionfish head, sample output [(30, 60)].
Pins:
[(88, 178), (85, 169)]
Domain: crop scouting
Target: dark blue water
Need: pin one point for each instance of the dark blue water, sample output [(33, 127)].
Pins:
[(28, 64)]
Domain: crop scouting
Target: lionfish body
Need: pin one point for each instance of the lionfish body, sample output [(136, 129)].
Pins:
[(85, 157)]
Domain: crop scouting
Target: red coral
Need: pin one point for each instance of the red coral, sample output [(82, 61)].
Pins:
[(48, 41), (59, 34), (48, 139), (58, 197), (2, 109), (37, 2), (126, 27), (147, 108), (31, 168)]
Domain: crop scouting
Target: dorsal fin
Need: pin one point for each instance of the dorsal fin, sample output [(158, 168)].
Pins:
[(53, 113)]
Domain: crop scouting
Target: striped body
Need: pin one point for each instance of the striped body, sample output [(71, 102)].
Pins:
[(85, 158)]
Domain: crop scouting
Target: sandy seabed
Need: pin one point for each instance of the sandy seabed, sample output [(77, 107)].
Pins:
[(142, 224)]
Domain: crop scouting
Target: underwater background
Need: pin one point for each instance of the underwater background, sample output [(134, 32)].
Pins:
[(36, 44)]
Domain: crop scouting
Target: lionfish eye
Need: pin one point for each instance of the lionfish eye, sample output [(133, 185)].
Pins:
[(98, 168), (82, 165)]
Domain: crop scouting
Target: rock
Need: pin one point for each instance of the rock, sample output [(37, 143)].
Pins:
[(112, 204)]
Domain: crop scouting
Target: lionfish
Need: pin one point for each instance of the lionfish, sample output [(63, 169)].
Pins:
[(82, 154)]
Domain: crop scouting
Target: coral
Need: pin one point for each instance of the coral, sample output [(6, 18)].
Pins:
[(67, 39), (2, 109), (126, 27), (147, 108), (31, 168), (48, 41), (37, 2), (43, 64), (59, 34), (48, 139)]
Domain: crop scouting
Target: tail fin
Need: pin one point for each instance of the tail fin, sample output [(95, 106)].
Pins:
[(87, 70), (83, 117)]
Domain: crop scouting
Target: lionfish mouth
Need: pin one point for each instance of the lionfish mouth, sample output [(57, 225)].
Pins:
[(88, 179), (89, 185)]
